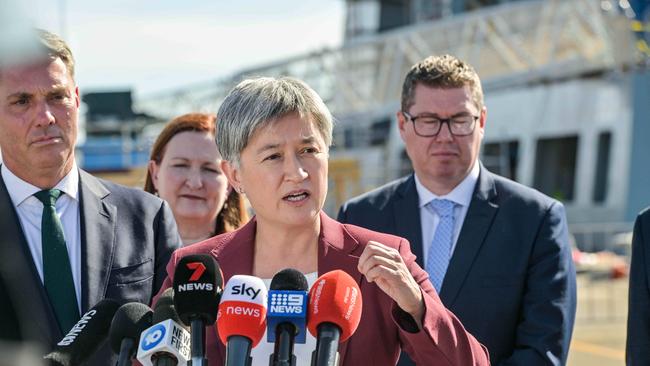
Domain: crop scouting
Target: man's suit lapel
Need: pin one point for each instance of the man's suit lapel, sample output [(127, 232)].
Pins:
[(406, 212), (97, 239), (480, 215), (22, 280)]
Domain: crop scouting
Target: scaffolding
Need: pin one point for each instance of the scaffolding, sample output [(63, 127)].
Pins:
[(509, 44)]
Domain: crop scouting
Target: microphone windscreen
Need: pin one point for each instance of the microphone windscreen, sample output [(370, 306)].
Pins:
[(198, 284), (242, 311), (289, 279), (86, 336), (129, 321), (164, 308), (335, 298)]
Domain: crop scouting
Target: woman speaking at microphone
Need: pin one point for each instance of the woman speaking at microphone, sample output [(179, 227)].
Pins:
[(274, 137)]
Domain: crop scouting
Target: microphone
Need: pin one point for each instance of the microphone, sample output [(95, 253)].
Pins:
[(129, 321), (85, 337), (334, 313), (198, 286), (286, 315), (241, 320), (166, 343)]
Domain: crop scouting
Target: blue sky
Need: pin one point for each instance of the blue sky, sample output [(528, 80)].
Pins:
[(153, 46)]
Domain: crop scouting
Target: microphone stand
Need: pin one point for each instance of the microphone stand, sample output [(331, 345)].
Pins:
[(197, 335), (285, 334)]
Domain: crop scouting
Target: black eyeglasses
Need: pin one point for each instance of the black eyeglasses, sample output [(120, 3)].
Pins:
[(428, 126)]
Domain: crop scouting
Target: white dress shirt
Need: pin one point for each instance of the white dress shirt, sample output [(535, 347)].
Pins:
[(30, 213), (461, 195), (264, 349)]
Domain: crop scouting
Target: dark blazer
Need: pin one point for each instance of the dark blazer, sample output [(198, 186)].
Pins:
[(127, 238), (638, 318), (511, 278), (383, 325)]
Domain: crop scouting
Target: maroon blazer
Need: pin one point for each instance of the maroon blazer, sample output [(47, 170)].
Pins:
[(384, 327)]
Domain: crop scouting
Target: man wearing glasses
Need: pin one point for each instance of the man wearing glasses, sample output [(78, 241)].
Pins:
[(497, 252)]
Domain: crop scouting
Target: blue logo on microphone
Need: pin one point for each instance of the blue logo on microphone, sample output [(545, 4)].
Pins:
[(153, 337)]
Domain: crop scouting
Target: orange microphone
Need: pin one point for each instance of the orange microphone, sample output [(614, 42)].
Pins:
[(333, 315)]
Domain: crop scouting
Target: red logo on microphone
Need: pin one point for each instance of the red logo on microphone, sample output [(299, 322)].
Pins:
[(198, 268)]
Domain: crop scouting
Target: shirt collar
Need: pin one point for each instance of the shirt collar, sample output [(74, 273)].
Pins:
[(460, 195), (19, 190)]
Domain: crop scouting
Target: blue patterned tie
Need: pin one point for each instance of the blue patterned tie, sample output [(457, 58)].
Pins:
[(440, 249)]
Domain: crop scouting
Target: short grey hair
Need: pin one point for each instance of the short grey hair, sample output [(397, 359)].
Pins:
[(255, 103)]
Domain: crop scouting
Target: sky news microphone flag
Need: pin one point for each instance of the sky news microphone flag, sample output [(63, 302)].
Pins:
[(241, 320)]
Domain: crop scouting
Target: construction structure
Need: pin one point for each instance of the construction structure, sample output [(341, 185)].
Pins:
[(566, 85)]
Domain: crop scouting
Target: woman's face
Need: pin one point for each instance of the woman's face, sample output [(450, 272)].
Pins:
[(283, 172), (189, 177)]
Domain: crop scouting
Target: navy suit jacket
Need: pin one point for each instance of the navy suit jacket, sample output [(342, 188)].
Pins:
[(638, 320), (127, 238), (511, 278)]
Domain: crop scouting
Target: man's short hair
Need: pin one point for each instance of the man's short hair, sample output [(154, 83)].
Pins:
[(443, 72), (38, 46), (55, 47)]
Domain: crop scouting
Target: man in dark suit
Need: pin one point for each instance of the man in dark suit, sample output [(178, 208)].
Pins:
[(67, 239), (497, 252), (638, 319)]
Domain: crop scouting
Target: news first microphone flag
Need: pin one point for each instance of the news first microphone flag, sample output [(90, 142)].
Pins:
[(166, 336), (167, 340)]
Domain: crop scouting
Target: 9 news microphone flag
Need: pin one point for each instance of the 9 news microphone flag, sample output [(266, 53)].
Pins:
[(287, 314)]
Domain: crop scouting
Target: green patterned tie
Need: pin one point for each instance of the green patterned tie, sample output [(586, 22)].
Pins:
[(57, 273)]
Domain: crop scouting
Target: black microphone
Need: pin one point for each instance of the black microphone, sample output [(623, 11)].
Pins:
[(166, 343), (85, 337), (287, 314), (198, 285), (129, 321)]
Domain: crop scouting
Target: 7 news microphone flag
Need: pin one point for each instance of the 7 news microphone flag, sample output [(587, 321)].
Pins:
[(198, 284)]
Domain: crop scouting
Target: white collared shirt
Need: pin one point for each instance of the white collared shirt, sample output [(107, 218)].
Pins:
[(30, 213), (461, 195)]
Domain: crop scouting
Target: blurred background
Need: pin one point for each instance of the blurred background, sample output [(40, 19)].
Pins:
[(567, 85)]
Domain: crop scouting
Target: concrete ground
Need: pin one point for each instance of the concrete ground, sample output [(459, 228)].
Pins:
[(599, 333)]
